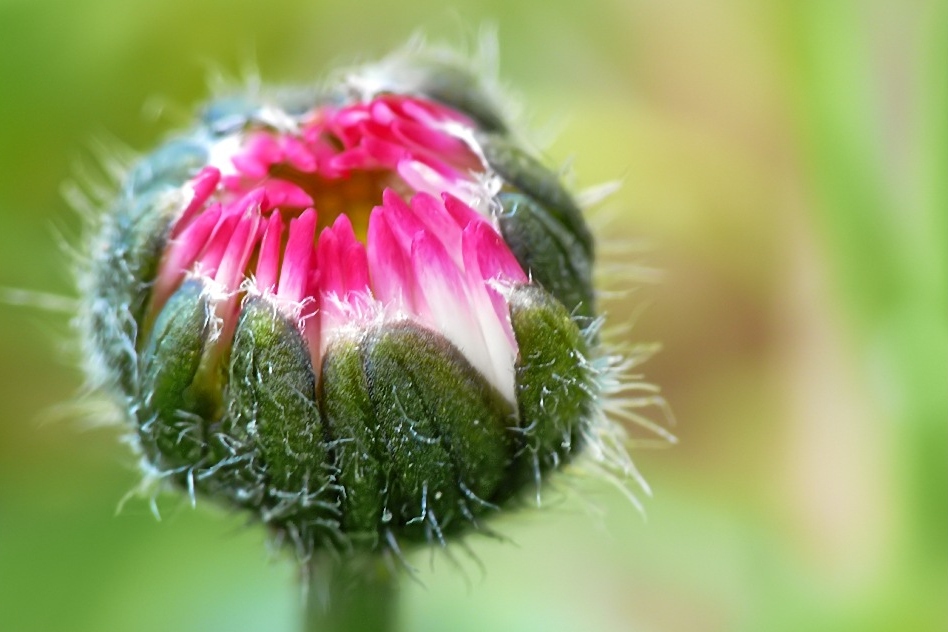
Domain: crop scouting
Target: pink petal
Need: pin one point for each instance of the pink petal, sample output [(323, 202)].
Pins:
[(491, 311), (231, 270), (423, 178), (202, 185), (268, 261), (393, 281), (342, 261), (294, 275), (401, 218), (233, 182), (462, 214), (381, 112), (329, 264), (351, 160), (259, 153), (286, 194), (485, 259), (354, 260), (344, 296), (430, 210), (183, 251), (298, 154), (494, 258), (213, 254), (256, 198), (431, 113), (232, 267), (384, 152), (421, 138)]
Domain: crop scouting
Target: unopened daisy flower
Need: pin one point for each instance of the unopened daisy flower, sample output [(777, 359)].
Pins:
[(363, 315)]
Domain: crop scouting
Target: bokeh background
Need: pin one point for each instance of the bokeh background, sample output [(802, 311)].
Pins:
[(784, 166)]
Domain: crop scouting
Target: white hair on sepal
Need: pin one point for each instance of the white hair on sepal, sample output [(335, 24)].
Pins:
[(405, 70), (593, 196), (606, 439)]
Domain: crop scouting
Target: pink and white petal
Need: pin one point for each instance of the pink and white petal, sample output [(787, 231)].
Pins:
[(422, 139), (231, 272), (491, 307), (430, 210), (210, 259), (461, 212), (200, 187), (308, 321), (256, 199), (401, 218), (233, 266), (391, 275), (352, 255), (329, 264), (268, 261), (422, 177), (297, 257), (451, 310), (182, 253), (495, 261), (488, 259), (350, 117)]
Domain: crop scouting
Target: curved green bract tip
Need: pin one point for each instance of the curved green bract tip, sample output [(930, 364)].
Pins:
[(172, 428), (555, 385), (272, 389), (444, 428), (360, 455)]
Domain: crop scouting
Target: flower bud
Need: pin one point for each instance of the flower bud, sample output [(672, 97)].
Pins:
[(357, 316)]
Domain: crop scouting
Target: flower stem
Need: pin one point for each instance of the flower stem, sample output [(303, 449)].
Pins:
[(351, 595)]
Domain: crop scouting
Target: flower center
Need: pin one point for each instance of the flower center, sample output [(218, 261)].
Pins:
[(354, 196)]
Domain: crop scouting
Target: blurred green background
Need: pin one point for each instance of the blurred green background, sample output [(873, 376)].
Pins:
[(785, 164)]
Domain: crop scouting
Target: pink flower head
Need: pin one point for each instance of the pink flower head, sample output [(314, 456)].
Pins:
[(375, 211)]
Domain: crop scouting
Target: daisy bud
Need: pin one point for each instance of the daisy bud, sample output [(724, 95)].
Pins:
[(360, 317)]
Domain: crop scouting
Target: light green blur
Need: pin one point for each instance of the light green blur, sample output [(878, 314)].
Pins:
[(785, 174)]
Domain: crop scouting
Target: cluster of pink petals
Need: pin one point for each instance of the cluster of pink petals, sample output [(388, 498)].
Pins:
[(430, 258)]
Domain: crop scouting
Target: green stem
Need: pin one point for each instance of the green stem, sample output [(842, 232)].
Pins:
[(351, 595)]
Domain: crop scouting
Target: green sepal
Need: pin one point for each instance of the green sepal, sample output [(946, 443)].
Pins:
[(555, 386), (359, 454), (446, 429), (120, 283), (551, 254), (526, 174), (173, 428), (272, 395)]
